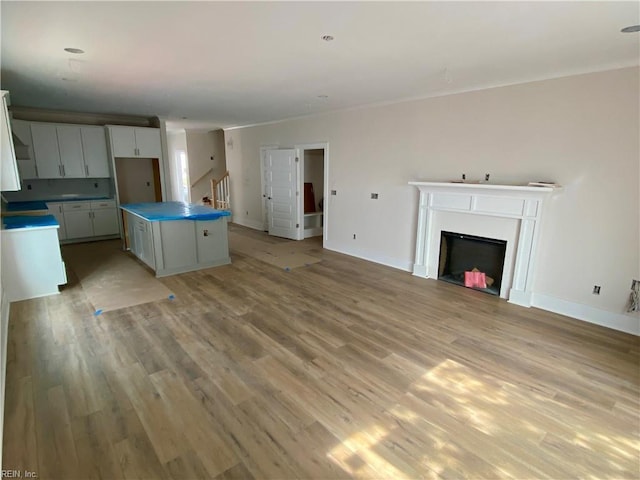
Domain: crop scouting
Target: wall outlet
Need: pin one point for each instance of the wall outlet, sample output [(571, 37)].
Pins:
[(334, 192), (374, 196), (247, 212), (596, 290), (29, 186), (354, 236)]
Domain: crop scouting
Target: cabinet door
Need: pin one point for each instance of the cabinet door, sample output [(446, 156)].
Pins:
[(24, 153), (78, 224), (45, 150), (105, 222), (9, 179), (55, 209), (123, 141), (71, 156), (148, 142), (94, 147)]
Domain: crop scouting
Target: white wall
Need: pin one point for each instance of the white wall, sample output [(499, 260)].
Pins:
[(580, 131), (135, 180), (176, 141), (201, 148)]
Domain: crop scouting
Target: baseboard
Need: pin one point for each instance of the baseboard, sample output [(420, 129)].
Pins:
[(617, 321), (247, 222), (407, 266)]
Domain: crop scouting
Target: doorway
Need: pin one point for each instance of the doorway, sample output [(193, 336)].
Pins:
[(295, 190)]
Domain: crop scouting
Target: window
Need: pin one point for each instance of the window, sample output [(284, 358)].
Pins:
[(182, 176)]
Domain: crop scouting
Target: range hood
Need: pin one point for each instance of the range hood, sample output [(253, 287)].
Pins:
[(22, 150)]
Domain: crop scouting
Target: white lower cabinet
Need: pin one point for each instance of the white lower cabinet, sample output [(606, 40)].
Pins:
[(84, 220), (55, 209), (141, 239)]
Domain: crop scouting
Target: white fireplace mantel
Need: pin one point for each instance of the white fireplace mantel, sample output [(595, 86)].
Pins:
[(519, 207)]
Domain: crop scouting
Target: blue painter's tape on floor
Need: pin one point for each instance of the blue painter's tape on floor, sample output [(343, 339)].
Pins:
[(287, 269), (97, 312), (172, 296)]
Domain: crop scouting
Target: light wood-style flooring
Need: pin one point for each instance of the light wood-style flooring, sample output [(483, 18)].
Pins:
[(340, 369)]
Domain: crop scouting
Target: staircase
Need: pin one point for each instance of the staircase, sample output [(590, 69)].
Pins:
[(220, 198)]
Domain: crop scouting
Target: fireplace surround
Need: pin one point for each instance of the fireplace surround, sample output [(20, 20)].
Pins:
[(510, 213)]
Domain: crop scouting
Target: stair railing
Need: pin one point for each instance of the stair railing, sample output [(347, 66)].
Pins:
[(220, 192)]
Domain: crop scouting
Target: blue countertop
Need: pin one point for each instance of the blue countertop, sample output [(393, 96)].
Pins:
[(155, 212), (29, 221), (35, 205), (26, 206)]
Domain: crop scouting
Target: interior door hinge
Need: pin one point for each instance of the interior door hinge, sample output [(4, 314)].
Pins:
[(297, 225), (297, 159)]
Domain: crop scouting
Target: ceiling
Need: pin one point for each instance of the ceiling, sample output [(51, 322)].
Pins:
[(224, 64)]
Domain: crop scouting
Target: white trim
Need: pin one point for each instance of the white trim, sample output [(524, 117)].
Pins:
[(300, 148), (521, 205), (246, 222), (617, 321), (366, 255)]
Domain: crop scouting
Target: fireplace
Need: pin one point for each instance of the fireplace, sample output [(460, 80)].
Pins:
[(509, 212), (465, 259)]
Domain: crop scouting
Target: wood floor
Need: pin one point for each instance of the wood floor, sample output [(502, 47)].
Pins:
[(340, 369)]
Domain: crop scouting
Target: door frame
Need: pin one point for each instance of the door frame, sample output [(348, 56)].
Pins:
[(300, 149)]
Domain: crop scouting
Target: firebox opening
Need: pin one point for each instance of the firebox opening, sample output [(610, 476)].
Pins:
[(474, 262)]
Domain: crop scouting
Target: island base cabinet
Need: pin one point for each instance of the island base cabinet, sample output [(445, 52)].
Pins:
[(178, 246), (212, 240)]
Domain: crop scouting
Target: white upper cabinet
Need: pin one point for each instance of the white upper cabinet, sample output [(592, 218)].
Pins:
[(46, 150), (69, 151), (94, 146), (148, 142), (24, 153), (135, 142), (71, 154), (9, 178)]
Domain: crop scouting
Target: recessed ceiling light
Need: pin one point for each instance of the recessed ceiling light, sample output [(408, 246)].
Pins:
[(77, 51), (327, 38), (630, 29)]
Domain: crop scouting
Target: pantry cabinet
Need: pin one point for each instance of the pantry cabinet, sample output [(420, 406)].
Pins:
[(135, 142)]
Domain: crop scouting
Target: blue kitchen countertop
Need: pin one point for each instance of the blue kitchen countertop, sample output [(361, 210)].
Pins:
[(34, 205), (29, 221), (155, 212), (26, 206)]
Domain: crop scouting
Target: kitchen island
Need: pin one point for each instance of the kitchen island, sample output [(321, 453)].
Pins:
[(176, 237)]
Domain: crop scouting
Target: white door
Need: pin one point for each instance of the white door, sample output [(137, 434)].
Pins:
[(105, 222), (46, 151), (148, 142), (94, 146), (78, 224), (281, 181), (71, 156), (123, 141)]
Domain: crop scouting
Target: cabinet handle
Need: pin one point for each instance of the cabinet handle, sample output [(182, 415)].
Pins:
[(60, 170), (37, 171), (86, 170), (64, 174)]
